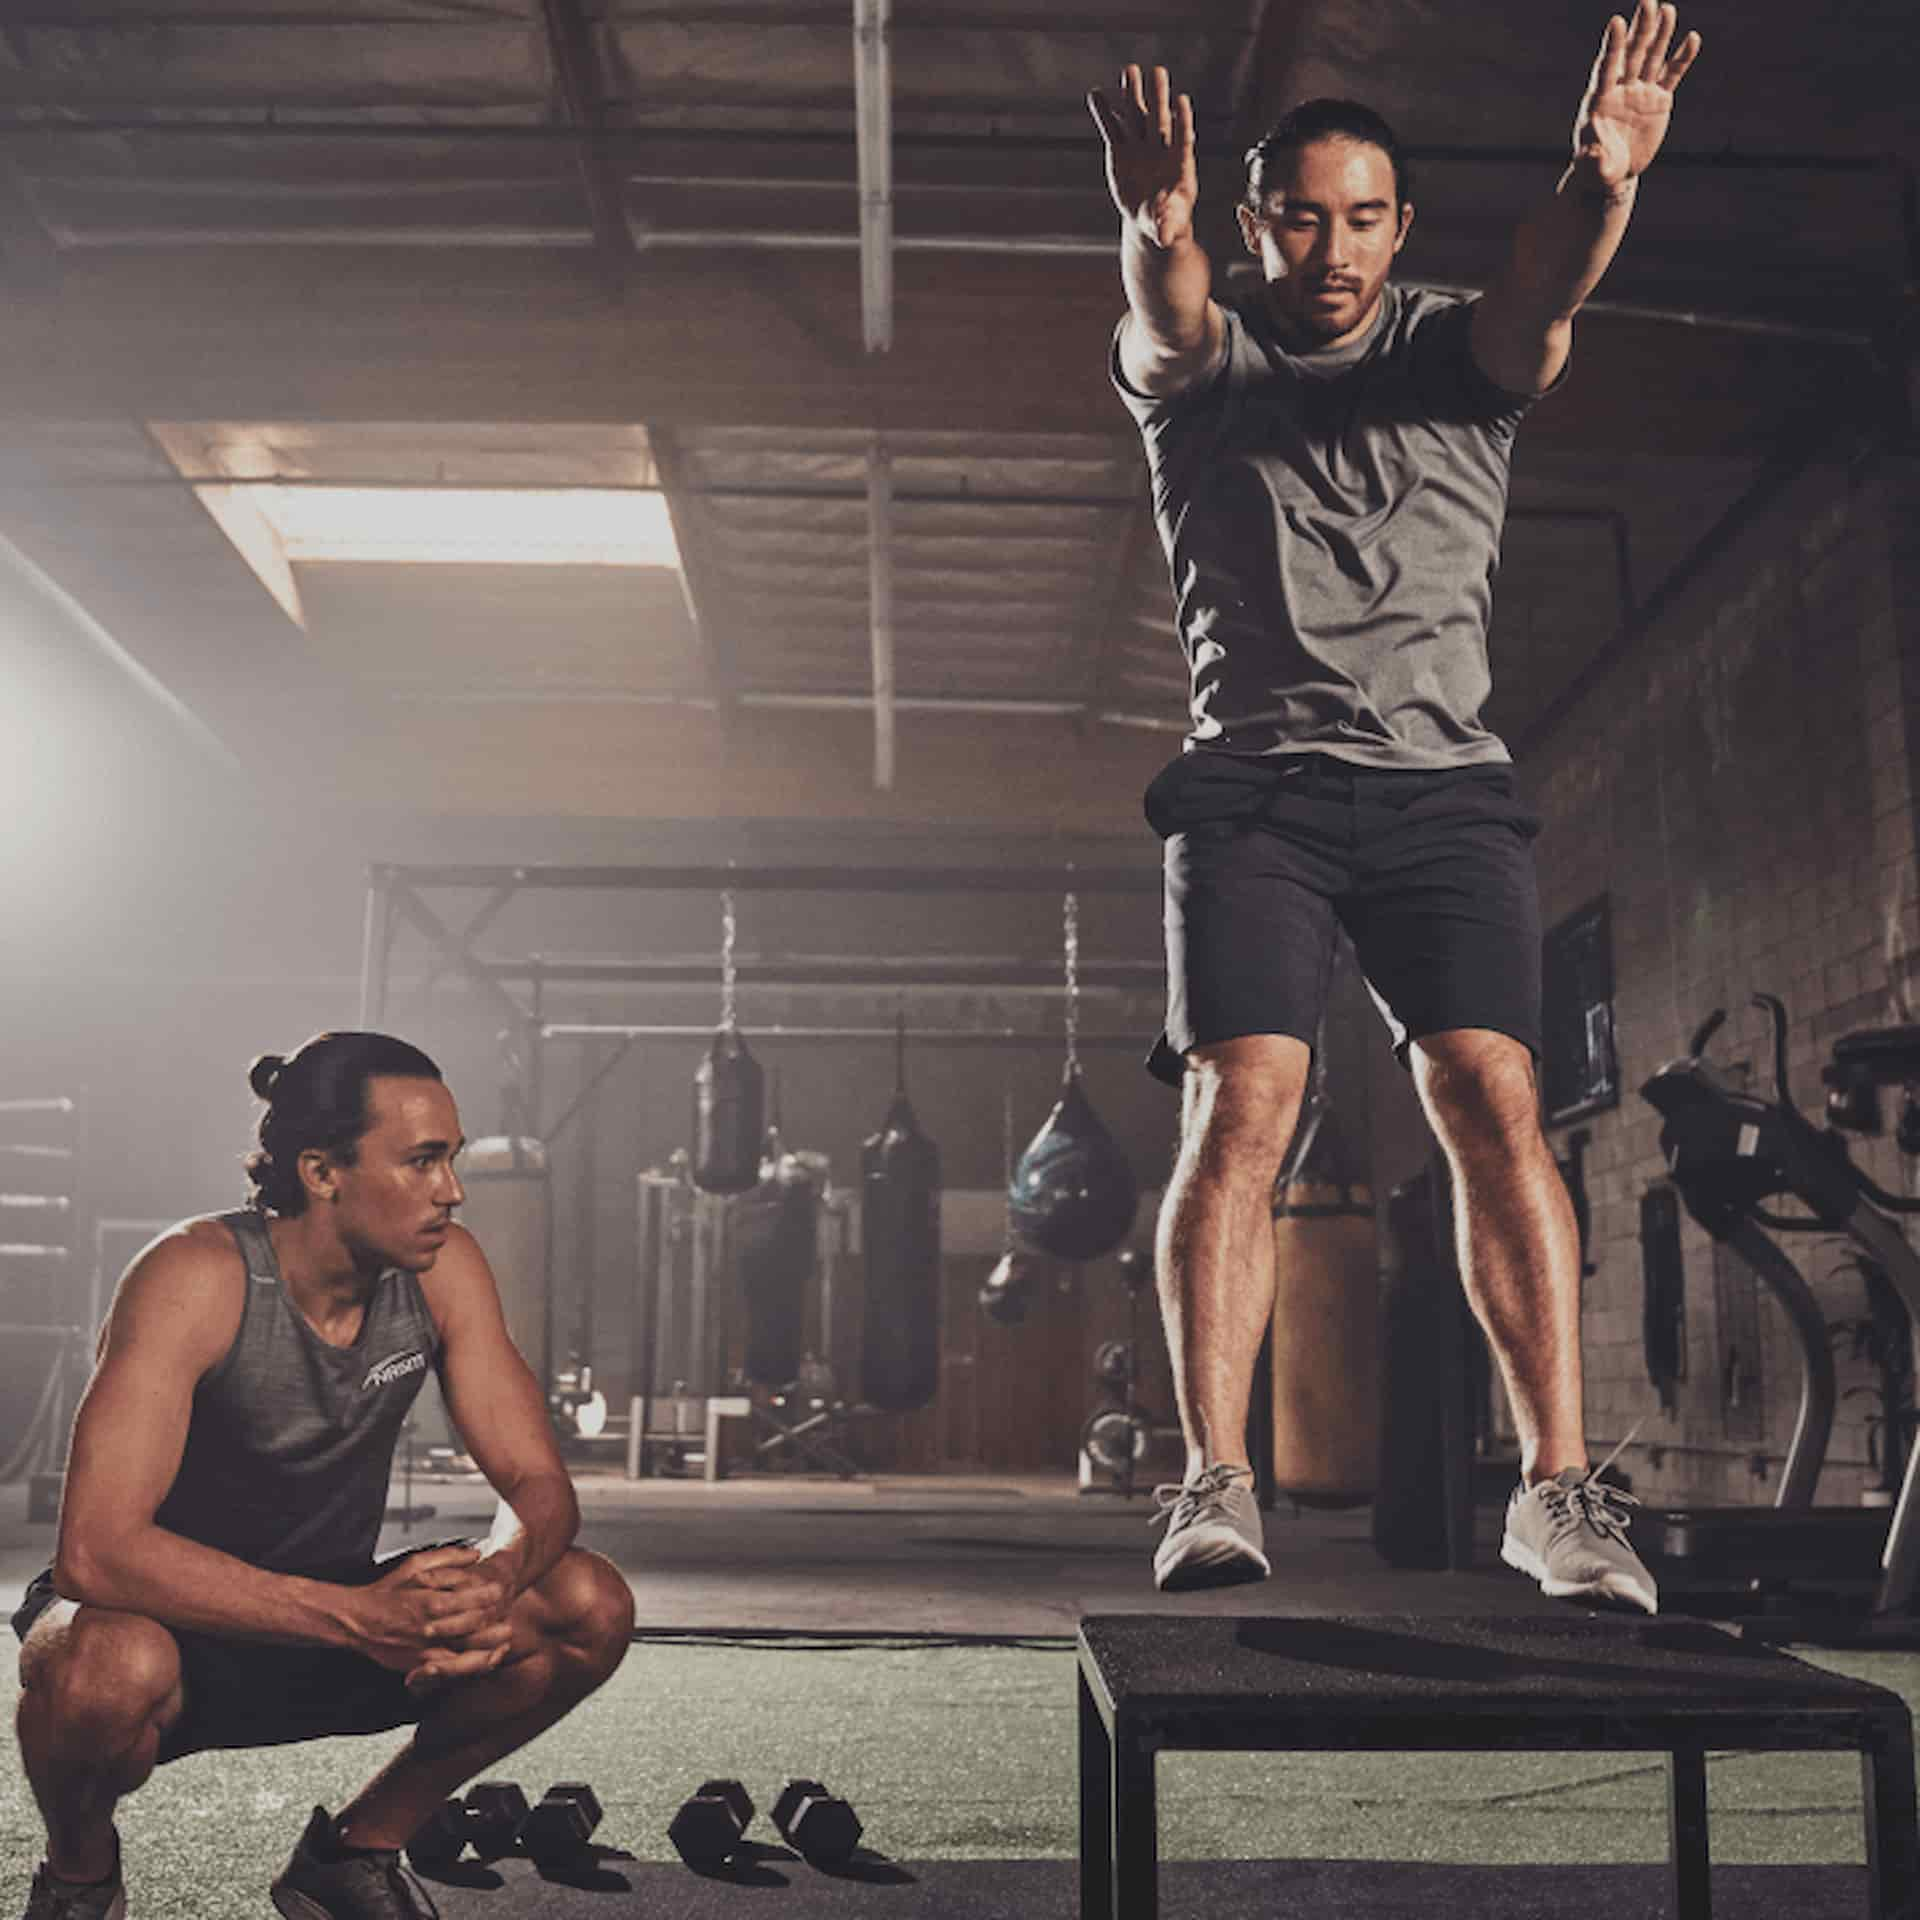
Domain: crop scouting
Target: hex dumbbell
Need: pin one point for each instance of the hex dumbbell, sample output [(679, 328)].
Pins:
[(488, 1820), (819, 1826), (707, 1830), (557, 1834)]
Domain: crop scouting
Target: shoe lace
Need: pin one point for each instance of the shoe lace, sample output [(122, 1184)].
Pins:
[(1593, 1502), (1180, 1503)]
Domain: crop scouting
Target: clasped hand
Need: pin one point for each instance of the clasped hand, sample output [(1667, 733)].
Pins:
[(439, 1615)]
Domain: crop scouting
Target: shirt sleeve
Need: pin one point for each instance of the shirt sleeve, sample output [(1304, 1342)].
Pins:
[(1147, 408), (1457, 386)]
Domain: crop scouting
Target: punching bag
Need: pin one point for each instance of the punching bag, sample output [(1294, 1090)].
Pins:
[(1072, 1194), (729, 1101), (774, 1229), (900, 1231), (1326, 1330)]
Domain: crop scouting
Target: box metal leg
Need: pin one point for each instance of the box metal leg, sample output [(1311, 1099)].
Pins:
[(1136, 1828), (1096, 1811), (1687, 1833), (1893, 1840)]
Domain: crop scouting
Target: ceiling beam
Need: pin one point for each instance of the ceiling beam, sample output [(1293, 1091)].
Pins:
[(583, 97), (704, 341), (698, 571), (583, 103), (873, 130), (880, 608)]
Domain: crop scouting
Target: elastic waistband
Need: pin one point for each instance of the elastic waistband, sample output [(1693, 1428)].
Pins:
[(1313, 770)]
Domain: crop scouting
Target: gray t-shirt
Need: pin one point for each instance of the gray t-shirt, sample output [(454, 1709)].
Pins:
[(1332, 521)]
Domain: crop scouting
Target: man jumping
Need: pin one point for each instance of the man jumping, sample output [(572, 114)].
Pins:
[(1330, 463)]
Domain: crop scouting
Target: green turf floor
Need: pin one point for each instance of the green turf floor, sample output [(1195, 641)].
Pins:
[(967, 1752)]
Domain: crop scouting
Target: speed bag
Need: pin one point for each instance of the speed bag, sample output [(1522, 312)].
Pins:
[(1072, 1194), (900, 1232), (1326, 1345), (773, 1232), (729, 1103)]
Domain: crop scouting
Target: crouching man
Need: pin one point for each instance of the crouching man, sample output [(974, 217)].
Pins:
[(214, 1583)]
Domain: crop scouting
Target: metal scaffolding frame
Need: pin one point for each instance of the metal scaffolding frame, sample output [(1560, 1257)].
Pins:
[(399, 895)]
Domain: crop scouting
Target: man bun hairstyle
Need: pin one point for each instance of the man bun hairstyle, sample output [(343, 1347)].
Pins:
[(1322, 120), (318, 1098)]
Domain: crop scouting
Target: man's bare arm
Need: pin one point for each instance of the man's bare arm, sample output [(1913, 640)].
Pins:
[(1523, 325), (1174, 331), (173, 1318), (501, 1415)]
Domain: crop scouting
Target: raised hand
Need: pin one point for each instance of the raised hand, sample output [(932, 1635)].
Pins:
[(1629, 98), (1149, 141)]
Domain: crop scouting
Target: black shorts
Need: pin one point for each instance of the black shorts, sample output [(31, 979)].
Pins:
[(1430, 874), (263, 1693)]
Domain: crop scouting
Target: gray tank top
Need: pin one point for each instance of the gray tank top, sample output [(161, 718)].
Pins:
[(290, 1447)]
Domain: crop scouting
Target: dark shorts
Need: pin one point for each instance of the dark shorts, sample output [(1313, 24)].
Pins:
[(260, 1693), (1429, 874)]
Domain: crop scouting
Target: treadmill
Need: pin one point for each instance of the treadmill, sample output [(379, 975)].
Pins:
[(1792, 1571)]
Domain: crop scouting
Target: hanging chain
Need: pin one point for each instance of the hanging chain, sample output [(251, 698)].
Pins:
[(729, 1018), (1072, 916)]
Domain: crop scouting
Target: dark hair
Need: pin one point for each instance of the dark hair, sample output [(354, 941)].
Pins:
[(318, 1098), (1324, 120)]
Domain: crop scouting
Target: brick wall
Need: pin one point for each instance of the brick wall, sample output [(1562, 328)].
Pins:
[(1743, 786)]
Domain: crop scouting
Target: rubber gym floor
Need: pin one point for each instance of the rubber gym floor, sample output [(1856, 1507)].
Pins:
[(910, 1643)]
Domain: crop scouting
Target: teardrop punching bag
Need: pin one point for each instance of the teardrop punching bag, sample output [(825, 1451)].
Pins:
[(900, 1232), (1073, 1194), (729, 1097)]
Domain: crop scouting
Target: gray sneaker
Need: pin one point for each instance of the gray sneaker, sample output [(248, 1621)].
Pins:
[(326, 1881), (51, 1899), (1213, 1536), (1570, 1534)]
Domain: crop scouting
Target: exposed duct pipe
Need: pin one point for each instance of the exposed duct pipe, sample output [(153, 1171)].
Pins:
[(1011, 705), (880, 578), (1048, 245), (873, 126), (645, 238)]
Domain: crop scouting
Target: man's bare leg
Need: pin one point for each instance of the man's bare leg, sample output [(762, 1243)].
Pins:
[(1516, 1237), (98, 1690), (1215, 1242), (1215, 1259)]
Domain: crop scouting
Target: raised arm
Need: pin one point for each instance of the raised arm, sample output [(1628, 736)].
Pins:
[(1173, 331), (1523, 325), (173, 1318)]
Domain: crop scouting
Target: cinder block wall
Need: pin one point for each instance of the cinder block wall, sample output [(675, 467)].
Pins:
[(1743, 786)]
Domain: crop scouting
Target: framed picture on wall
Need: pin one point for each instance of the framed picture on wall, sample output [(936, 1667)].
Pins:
[(1580, 1071)]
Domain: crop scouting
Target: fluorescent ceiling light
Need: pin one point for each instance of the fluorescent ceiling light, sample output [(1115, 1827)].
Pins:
[(537, 527)]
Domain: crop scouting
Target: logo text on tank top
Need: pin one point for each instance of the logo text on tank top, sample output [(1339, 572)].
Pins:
[(395, 1367)]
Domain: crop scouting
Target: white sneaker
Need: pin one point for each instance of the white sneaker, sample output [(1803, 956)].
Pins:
[(1213, 1536), (1570, 1534)]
